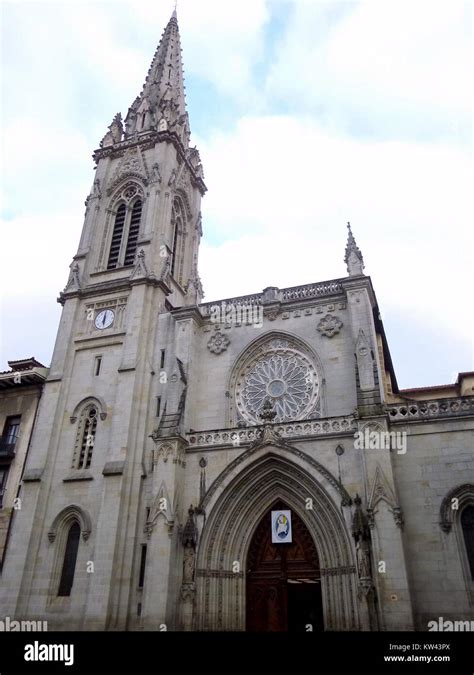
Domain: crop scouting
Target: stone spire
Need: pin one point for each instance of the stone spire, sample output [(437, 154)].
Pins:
[(161, 105), (353, 257)]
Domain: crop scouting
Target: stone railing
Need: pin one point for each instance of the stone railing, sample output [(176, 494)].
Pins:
[(243, 301), (445, 407), (247, 435), (311, 291), (272, 295)]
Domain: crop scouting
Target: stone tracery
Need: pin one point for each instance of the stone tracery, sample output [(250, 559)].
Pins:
[(281, 371)]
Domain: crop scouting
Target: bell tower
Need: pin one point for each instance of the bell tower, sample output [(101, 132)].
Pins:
[(82, 493), (142, 215)]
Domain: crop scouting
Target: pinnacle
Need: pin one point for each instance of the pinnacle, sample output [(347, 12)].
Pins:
[(353, 256)]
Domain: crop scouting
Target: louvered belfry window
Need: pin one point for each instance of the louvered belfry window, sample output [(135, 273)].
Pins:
[(123, 245), (133, 233), (70, 558), (117, 237)]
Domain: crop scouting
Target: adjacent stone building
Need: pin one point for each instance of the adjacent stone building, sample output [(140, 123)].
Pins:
[(20, 391), (170, 429)]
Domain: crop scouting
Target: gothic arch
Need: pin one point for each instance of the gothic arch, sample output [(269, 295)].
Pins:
[(178, 235), (127, 190), (123, 182), (340, 493), (90, 400), (66, 517), (250, 352), (181, 194), (464, 494), (450, 519), (233, 513)]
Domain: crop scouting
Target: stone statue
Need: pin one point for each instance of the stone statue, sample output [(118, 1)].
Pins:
[(155, 173), (188, 565), (363, 559), (172, 179)]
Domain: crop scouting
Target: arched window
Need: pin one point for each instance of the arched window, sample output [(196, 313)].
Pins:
[(70, 558), (467, 526), (133, 233), (117, 237), (123, 245), (85, 438), (177, 224)]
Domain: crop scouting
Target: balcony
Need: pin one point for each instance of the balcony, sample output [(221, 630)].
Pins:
[(7, 447), (286, 430)]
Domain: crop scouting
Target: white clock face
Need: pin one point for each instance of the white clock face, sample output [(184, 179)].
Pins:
[(104, 319)]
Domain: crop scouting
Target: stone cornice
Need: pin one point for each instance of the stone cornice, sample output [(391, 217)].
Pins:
[(297, 296), (112, 286), (190, 312), (358, 283)]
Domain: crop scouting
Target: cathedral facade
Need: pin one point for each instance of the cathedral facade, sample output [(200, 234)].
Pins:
[(246, 464)]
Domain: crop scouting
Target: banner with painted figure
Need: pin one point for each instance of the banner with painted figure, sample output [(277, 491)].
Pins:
[(281, 527)]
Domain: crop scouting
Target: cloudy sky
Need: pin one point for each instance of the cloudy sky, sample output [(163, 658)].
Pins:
[(307, 114)]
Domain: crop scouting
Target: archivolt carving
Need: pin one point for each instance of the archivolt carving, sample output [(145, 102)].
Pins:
[(67, 516), (453, 503), (126, 191), (332, 480), (231, 523), (95, 400), (132, 166)]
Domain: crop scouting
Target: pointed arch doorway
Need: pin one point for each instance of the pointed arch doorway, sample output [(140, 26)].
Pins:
[(283, 580)]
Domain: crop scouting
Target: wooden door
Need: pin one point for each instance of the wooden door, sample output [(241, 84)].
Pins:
[(283, 580)]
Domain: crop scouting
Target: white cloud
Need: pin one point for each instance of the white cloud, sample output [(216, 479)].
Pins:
[(40, 249), (288, 187), (382, 66)]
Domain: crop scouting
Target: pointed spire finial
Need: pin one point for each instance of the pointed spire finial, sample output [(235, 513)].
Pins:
[(175, 15), (353, 257), (161, 105)]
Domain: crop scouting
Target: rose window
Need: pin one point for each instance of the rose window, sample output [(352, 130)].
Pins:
[(286, 377)]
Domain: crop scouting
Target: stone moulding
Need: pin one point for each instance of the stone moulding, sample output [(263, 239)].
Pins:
[(319, 468), (115, 468), (68, 515), (147, 140), (219, 574), (32, 475), (337, 571), (463, 494)]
